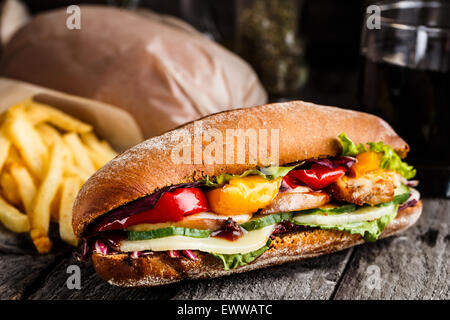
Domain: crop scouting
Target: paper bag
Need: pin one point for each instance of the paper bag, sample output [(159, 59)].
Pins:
[(114, 125)]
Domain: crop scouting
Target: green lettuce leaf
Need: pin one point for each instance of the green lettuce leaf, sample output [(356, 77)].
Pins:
[(348, 147), (270, 173), (231, 261), (390, 160)]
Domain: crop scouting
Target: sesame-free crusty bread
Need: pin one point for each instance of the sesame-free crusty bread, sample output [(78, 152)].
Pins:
[(159, 269), (305, 131)]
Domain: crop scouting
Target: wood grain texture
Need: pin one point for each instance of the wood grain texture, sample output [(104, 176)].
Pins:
[(19, 272), (21, 268), (311, 279), (13, 243), (414, 265), (94, 288), (308, 279)]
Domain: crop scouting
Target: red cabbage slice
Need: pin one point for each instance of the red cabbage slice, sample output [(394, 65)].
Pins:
[(343, 161), (189, 254), (173, 253)]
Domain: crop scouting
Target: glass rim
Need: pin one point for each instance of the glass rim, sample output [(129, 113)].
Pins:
[(410, 4)]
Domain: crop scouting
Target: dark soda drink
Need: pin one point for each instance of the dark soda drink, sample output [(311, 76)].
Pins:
[(405, 79), (417, 104)]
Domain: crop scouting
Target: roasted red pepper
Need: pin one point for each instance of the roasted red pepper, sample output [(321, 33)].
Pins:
[(318, 177), (172, 206)]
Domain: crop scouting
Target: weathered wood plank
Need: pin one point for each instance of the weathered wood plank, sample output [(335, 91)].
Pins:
[(414, 265), (19, 272), (92, 287), (14, 243), (309, 279), (21, 267)]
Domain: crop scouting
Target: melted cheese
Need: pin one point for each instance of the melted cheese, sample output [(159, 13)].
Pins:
[(359, 215), (249, 242)]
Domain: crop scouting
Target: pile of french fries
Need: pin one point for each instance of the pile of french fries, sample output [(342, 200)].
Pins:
[(45, 157)]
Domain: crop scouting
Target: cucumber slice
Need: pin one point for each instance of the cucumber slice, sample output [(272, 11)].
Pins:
[(401, 194), (264, 221), (324, 210), (359, 215), (167, 232), (401, 189)]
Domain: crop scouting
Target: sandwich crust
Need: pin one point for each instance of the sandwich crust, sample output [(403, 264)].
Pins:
[(159, 269), (305, 131)]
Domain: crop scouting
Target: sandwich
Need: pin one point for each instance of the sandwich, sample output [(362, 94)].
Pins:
[(193, 203)]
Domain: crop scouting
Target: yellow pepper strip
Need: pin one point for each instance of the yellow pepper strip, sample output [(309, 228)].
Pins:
[(366, 162), (243, 195)]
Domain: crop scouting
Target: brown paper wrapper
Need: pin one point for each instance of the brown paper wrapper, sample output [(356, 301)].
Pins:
[(157, 68), (114, 125)]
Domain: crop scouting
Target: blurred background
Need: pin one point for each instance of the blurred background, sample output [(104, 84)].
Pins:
[(322, 51), (315, 42)]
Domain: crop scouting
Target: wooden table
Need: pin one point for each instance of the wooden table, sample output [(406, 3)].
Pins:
[(414, 265)]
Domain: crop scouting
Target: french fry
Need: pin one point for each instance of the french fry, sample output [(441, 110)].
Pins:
[(27, 140), (69, 192), (48, 134), (9, 188), (2, 117), (39, 113), (68, 155), (36, 116), (79, 152), (12, 218), (98, 159), (25, 185), (100, 152), (45, 157), (108, 150), (4, 148), (54, 205), (71, 169), (13, 156), (51, 136), (94, 143), (41, 240), (40, 218)]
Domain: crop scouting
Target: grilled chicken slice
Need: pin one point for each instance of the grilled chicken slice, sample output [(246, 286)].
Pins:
[(371, 188), (300, 198)]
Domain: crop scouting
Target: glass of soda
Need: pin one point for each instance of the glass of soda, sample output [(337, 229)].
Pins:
[(405, 79)]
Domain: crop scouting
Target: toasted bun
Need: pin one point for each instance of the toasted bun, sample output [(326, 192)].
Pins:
[(158, 268), (306, 131)]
